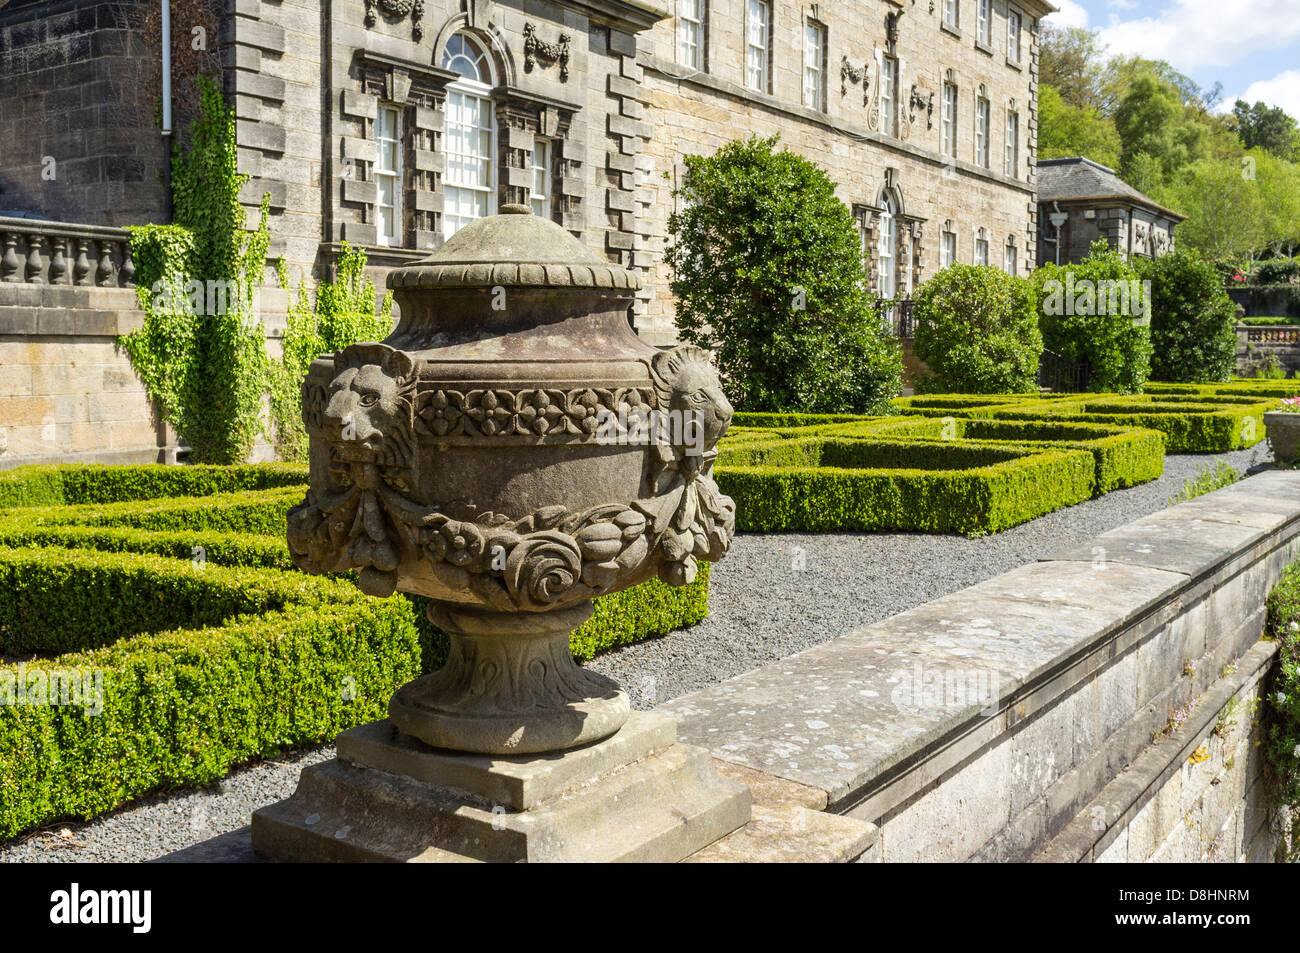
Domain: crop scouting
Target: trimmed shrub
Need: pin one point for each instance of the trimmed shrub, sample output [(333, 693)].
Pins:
[(768, 274), (1094, 311), (55, 484), (182, 707), (922, 486), (977, 331), (1193, 321)]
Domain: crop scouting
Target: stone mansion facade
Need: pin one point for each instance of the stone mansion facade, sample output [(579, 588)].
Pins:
[(392, 123)]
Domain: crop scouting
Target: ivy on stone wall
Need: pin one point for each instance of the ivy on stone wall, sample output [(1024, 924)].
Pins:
[(343, 313), (201, 351)]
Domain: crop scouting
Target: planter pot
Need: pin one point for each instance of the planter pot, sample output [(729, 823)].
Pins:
[(1283, 431)]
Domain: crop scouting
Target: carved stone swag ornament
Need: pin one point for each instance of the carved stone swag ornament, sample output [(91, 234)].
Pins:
[(468, 459), (547, 54)]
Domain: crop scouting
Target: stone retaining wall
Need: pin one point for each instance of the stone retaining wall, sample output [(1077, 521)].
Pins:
[(992, 723), (67, 393), (1256, 344)]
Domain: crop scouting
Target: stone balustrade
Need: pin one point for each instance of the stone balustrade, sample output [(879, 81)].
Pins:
[(34, 251)]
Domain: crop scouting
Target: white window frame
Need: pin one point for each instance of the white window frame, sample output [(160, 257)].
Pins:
[(982, 132), (690, 33), (886, 245), (814, 65), (947, 249), (984, 21), (539, 200), (393, 175), (1009, 256), (1013, 34), (1011, 145), (758, 27), (948, 121), (888, 104), (980, 253), (462, 89), (952, 13)]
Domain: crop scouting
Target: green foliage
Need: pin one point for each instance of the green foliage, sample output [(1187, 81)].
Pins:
[(1267, 127), (768, 275), (56, 484), (1156, 133), (1068, 130), (1282, 732), (202, 351), (1192, 418), (1206, 480), (1193, 321), (182, 706), (1276, 271), (824, 484), (977, 331), (209, 647), (1113, 340), (342, 313)]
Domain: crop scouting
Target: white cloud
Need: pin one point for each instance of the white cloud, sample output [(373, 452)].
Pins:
[(1070, 14), (1196, 33), (1122, 4), (1282, 90)]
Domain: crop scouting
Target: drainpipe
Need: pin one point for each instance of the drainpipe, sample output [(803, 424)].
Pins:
[(167, 105)]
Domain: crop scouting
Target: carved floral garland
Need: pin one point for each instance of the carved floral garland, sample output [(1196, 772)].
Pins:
[(549, 558)]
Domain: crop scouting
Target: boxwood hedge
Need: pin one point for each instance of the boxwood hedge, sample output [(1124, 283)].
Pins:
[(212, 648)]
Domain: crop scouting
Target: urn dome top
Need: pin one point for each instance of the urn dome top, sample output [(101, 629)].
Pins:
[(513, 249)]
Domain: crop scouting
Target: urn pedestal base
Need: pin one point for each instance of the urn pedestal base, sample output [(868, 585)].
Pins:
[(635, 796), (509, 686)]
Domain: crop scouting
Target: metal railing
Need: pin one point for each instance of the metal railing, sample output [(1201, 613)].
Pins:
[(35, 251), (1056, 373), (896, 314)]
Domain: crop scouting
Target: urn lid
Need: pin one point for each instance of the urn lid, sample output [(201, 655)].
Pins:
[(513, 249)]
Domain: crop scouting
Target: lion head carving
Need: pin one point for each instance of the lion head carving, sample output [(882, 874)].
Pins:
[(685, 381), (369, 406)]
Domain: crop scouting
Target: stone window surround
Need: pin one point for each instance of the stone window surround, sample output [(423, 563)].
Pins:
[(768, 39), (520, 116), (864, 135), (909, 250), (825, 33)]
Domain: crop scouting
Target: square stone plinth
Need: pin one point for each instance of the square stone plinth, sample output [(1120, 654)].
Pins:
[(636, 796)]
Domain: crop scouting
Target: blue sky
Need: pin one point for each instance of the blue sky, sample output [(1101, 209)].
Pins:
[(1251, 46)]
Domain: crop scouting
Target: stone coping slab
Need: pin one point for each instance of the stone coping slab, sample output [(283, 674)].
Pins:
[(838, 717)]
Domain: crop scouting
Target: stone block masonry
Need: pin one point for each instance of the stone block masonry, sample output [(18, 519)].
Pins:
[(1018, 719)]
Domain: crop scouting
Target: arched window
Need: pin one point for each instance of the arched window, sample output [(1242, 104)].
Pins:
[(469, 183), (885, 271)]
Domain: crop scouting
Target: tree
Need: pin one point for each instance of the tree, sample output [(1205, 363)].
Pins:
[(1152, 121), (977, 331), (1267, 127), (1094, 311), (768, 274), (1279, 200), (1070, 61), (1224, 209), (1067, 130), (1193, 320)]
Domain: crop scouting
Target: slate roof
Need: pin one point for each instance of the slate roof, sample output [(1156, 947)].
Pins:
[(1069, 180)]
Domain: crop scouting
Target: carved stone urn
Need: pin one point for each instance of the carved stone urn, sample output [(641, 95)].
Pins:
[(512, 451)]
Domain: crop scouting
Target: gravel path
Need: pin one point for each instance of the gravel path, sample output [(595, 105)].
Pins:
[(762, 609)]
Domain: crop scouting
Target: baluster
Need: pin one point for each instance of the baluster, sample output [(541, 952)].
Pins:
[(81, 268), (35, 267), (58, 261), (104, 274), (128, 266), (9, 261)]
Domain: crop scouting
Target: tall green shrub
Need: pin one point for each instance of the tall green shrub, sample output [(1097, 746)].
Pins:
[(202, 350), (1193, 320), (1095, 311), (977, 331), (342, 313), (768, 274)]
